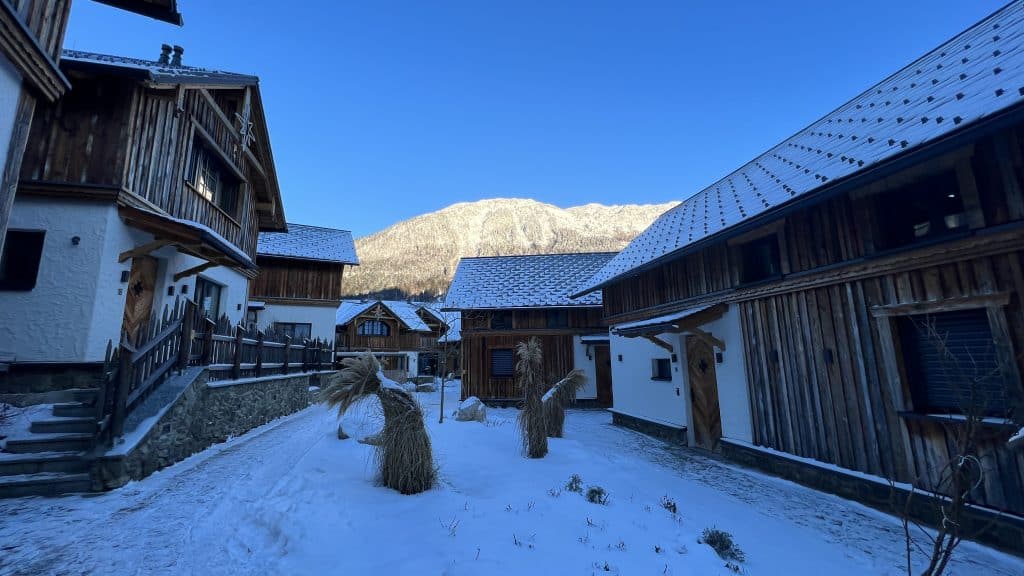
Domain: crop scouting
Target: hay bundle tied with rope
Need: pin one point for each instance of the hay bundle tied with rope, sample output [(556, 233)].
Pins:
[(404, 455), (529, 378), (558, 398)]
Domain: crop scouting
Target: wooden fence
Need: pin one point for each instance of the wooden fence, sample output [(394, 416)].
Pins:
[(140, 362)]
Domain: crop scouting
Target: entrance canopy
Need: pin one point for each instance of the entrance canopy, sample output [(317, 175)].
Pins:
[(689, 320)]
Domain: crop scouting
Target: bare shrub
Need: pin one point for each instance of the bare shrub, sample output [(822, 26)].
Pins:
[(597, 495), (722, 543)]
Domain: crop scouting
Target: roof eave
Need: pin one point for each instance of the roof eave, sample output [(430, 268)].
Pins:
[(167, 12)]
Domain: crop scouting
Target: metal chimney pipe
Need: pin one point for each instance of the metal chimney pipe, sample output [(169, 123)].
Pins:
[(176, 59), (165, 54)]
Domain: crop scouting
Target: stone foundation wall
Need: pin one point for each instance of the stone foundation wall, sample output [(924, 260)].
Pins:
[(1002, 531), (667, 433), (205, 413)]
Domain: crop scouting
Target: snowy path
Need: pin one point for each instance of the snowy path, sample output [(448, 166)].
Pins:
[(289, 498)]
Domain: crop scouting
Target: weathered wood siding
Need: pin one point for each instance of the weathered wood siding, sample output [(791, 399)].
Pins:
[(46, 20), (825, 375), (300, 279)]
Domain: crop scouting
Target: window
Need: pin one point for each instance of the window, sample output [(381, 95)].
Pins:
[(373, 328), (211, 178), (208, 297), (295, 331), (951, 363), (502, 364), (252, 320), (501, 320), (759, 259), (558, 318), (661, 369), (930, 208), (19, 263)]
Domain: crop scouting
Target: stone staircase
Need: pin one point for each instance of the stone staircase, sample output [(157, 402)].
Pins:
[(56, 454)]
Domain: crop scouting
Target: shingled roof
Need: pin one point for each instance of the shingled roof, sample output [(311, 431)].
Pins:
[(309, 243), (973, 77), (523, 281), (156, 73), (404, 311)]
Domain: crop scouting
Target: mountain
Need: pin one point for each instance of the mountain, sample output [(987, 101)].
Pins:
[(417, 257)]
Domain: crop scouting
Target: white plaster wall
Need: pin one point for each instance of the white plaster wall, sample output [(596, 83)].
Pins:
[(10, 92), (322, 318), (633, 390), (733, 395), (52, 322), (589, 368), (234, 286)]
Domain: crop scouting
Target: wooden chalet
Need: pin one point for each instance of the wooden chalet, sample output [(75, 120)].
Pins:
[(31, 37), (504, 300), (404, 336), (804, 293), (298, 289), (148, 181)]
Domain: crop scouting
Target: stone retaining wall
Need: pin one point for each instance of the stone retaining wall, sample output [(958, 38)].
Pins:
[(205, 413), (672, 434)]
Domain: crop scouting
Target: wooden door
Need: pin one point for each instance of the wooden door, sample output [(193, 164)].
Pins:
[(138, 305), (603, 365), (706, 418)]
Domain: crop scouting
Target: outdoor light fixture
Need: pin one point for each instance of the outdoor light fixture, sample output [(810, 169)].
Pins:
[(75, 240), (170, 290), (184, 288), (718, 358), (124, 276)]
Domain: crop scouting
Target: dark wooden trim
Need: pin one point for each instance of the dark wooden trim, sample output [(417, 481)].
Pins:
[(944, 305), (326, 303), (15, 154), (55, 189), (215, 147), (34, 64), (956, 420)]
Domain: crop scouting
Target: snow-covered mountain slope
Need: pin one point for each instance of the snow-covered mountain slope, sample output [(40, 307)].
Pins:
[(418, 256)]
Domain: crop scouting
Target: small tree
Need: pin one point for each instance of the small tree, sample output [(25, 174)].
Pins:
[(404, 455), (529, 378)]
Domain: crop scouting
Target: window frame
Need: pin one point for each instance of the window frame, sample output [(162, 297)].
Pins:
[(743, 252), (283, 328), (27, 281), (199, 294), (512, 363), (556, 318), (504, 314), (204, 159), (656, 372), (385, 333)]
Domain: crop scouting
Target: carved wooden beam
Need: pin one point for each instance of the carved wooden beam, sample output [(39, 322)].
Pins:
[(659, 342), (194, 270), (708, 337), (143, 249)]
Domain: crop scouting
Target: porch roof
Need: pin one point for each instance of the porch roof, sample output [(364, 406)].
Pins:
[(675, 322), (187, 236)]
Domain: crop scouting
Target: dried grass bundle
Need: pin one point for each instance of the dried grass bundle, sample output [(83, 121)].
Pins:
[(558, 398), (529, 378), (404, 454)]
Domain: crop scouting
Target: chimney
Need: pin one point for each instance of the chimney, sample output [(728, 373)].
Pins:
[(176, 59), (165, 54)]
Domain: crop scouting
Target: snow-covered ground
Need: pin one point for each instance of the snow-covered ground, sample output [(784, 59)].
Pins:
[(290, 498)]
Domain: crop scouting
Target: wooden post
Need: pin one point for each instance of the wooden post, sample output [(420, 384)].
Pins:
[(124, 374), (236, 370), (259, 353), (185, 342), (319, 356), (287, 349), (207, 356), (305, 355)]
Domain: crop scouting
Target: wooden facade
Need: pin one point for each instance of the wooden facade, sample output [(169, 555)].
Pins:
[(826, 373), (399, 338), (480, 339), (289, 280)]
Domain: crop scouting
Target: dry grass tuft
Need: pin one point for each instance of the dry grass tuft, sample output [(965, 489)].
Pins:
[(561, 395), (529, 378)]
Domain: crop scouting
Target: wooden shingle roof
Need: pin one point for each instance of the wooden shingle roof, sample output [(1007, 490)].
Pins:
[(973, 77)]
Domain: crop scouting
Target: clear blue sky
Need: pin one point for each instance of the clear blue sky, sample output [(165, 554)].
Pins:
[(382, 110)]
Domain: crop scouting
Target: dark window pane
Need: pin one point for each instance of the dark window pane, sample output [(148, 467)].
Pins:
[(760, 259), (558, 318), (501, 321), (502, 364), (19, 264), (373, 328), (208, 297), (920, 211), (661, 369)]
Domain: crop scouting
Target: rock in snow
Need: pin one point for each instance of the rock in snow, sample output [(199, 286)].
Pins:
[(471, 409)]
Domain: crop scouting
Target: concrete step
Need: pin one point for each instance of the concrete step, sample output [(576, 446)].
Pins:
[(73, 410), (78, 442), (35, 463), (44, 484), (85, 395), (59, 425)]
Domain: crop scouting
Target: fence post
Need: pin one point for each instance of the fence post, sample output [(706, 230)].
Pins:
[(305, 355), (124, 374), (259, 353), (185, 342), (319, 356), (287, 349), (236, 369), (207, 357)]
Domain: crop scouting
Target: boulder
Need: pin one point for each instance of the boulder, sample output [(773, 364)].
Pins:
[(426, 387), (471, 409)]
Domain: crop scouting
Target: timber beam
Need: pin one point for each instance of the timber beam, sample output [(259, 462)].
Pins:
[(143, 249), (659, 342), (194, 270), (708, 337)]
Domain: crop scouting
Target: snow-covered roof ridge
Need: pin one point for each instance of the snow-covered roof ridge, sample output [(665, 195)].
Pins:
[(532, 281), (309, 243), (400, 309), (162, 73), (973, 76)]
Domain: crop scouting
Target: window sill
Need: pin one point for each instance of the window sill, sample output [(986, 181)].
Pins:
[(958, 419), (657, 379)]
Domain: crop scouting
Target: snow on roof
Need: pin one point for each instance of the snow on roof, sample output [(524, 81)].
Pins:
[(973, 76), (454, 322), (309, 243), (405, 312), (162, 73), (523, 281)]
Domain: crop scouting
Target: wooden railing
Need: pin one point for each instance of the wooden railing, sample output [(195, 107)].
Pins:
[(140, 362)]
